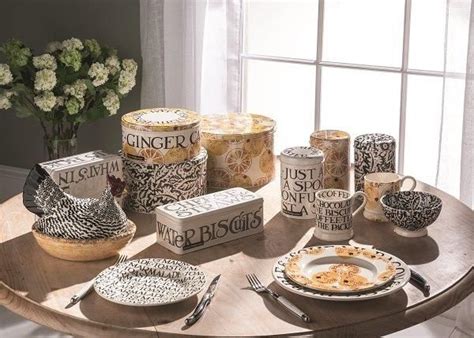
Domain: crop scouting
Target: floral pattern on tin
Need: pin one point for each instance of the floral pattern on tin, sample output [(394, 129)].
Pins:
[(240, 149), (335, 146), (372, 153)]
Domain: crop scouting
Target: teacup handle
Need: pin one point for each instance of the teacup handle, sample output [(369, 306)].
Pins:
[(413, 185), (359, 209)]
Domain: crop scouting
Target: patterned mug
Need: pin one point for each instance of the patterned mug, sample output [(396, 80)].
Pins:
[(378, 184), (334, 214)]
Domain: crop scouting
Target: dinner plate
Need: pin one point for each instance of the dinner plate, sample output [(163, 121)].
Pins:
[(401, 277), (340, 269), (149, 282)]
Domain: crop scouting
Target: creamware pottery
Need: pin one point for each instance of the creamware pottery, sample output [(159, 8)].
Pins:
[(378, 184)]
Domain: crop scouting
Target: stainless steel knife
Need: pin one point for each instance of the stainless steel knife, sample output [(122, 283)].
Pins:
[(204, 303)]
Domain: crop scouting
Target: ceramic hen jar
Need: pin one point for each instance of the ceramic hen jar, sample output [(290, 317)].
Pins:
[(240, 150)]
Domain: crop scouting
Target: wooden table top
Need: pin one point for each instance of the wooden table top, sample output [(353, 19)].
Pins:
[(38, 286)]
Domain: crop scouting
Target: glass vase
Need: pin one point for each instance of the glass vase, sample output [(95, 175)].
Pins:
[(58, 148)]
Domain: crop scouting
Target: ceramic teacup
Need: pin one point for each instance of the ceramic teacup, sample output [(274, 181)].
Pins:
[(378, 184), (334, 214)]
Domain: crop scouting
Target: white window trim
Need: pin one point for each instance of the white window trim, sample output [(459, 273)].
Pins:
[(319, 63)]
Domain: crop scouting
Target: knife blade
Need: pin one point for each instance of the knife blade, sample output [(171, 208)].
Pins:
[(203, 304)]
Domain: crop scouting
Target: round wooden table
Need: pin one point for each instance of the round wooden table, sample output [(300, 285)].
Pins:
[(38, 286)]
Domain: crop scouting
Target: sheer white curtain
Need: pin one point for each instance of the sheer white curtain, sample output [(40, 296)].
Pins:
[(455, 168), (202, 46)]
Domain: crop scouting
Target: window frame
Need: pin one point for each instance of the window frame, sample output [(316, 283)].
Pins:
[(403, 70)]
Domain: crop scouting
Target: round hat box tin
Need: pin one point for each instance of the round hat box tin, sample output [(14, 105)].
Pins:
[(160, 135), (240, 149), (152, 185)]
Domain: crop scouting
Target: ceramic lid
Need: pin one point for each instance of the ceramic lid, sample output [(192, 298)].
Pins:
[(161, 119), (302, 155), (374, 138), (235, 125)]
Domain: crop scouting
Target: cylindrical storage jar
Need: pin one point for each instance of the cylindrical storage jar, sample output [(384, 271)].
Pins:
[(240, 149), (160, 135), (373, 153), (335, 144), (152, 185), (301, 177)]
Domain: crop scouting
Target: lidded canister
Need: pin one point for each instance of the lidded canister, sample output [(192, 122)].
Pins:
[(373, 153), (335, 144), (161, 135), (240, 149), (302, 172)]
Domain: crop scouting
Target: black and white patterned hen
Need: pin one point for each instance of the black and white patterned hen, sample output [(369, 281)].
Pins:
[(66, 216)]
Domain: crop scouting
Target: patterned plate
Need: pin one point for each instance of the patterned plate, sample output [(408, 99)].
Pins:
[(402, 276), (149, 282), (340, 269)]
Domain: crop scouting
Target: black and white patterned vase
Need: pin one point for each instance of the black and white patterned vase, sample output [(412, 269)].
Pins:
[(373, 153), (152, 185)]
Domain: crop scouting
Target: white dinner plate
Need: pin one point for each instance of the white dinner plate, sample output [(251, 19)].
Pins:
[(401, 277), (340, 269), (149, 282)]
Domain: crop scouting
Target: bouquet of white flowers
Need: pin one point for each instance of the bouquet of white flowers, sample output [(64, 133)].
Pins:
[(73, 82)]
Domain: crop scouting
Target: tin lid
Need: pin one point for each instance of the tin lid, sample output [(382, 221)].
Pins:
[(330, 135), (375, 138), (235, 125), (161, 119), (302, 155), (181, 213)]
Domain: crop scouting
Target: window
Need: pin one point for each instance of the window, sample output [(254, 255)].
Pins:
[(357, 65)]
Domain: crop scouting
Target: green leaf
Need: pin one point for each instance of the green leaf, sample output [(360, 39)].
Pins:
[(90, 87)]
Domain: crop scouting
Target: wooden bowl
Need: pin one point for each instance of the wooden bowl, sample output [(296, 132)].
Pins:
[(84, 249)]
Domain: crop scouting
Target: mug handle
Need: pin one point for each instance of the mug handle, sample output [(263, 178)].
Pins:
[(359, 209), (413, 185)]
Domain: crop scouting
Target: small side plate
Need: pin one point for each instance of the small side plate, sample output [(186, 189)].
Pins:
[(150, 282)]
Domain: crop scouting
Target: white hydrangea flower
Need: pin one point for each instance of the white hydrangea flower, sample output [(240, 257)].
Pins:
[(77, 89), (60, 101), (126, 82), (5, 102), (45, 79), (53, 46), (130, 65), (113, 64), (5, 74), (45, 61), (99, 73), (72, 43), (45, 101), (111, 102)]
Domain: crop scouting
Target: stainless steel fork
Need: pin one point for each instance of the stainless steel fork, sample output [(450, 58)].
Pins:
[(88, 287), (258, 287)]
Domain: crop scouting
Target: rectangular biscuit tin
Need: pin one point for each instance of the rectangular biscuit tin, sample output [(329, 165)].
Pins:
[(208, 220), (84, 175)]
